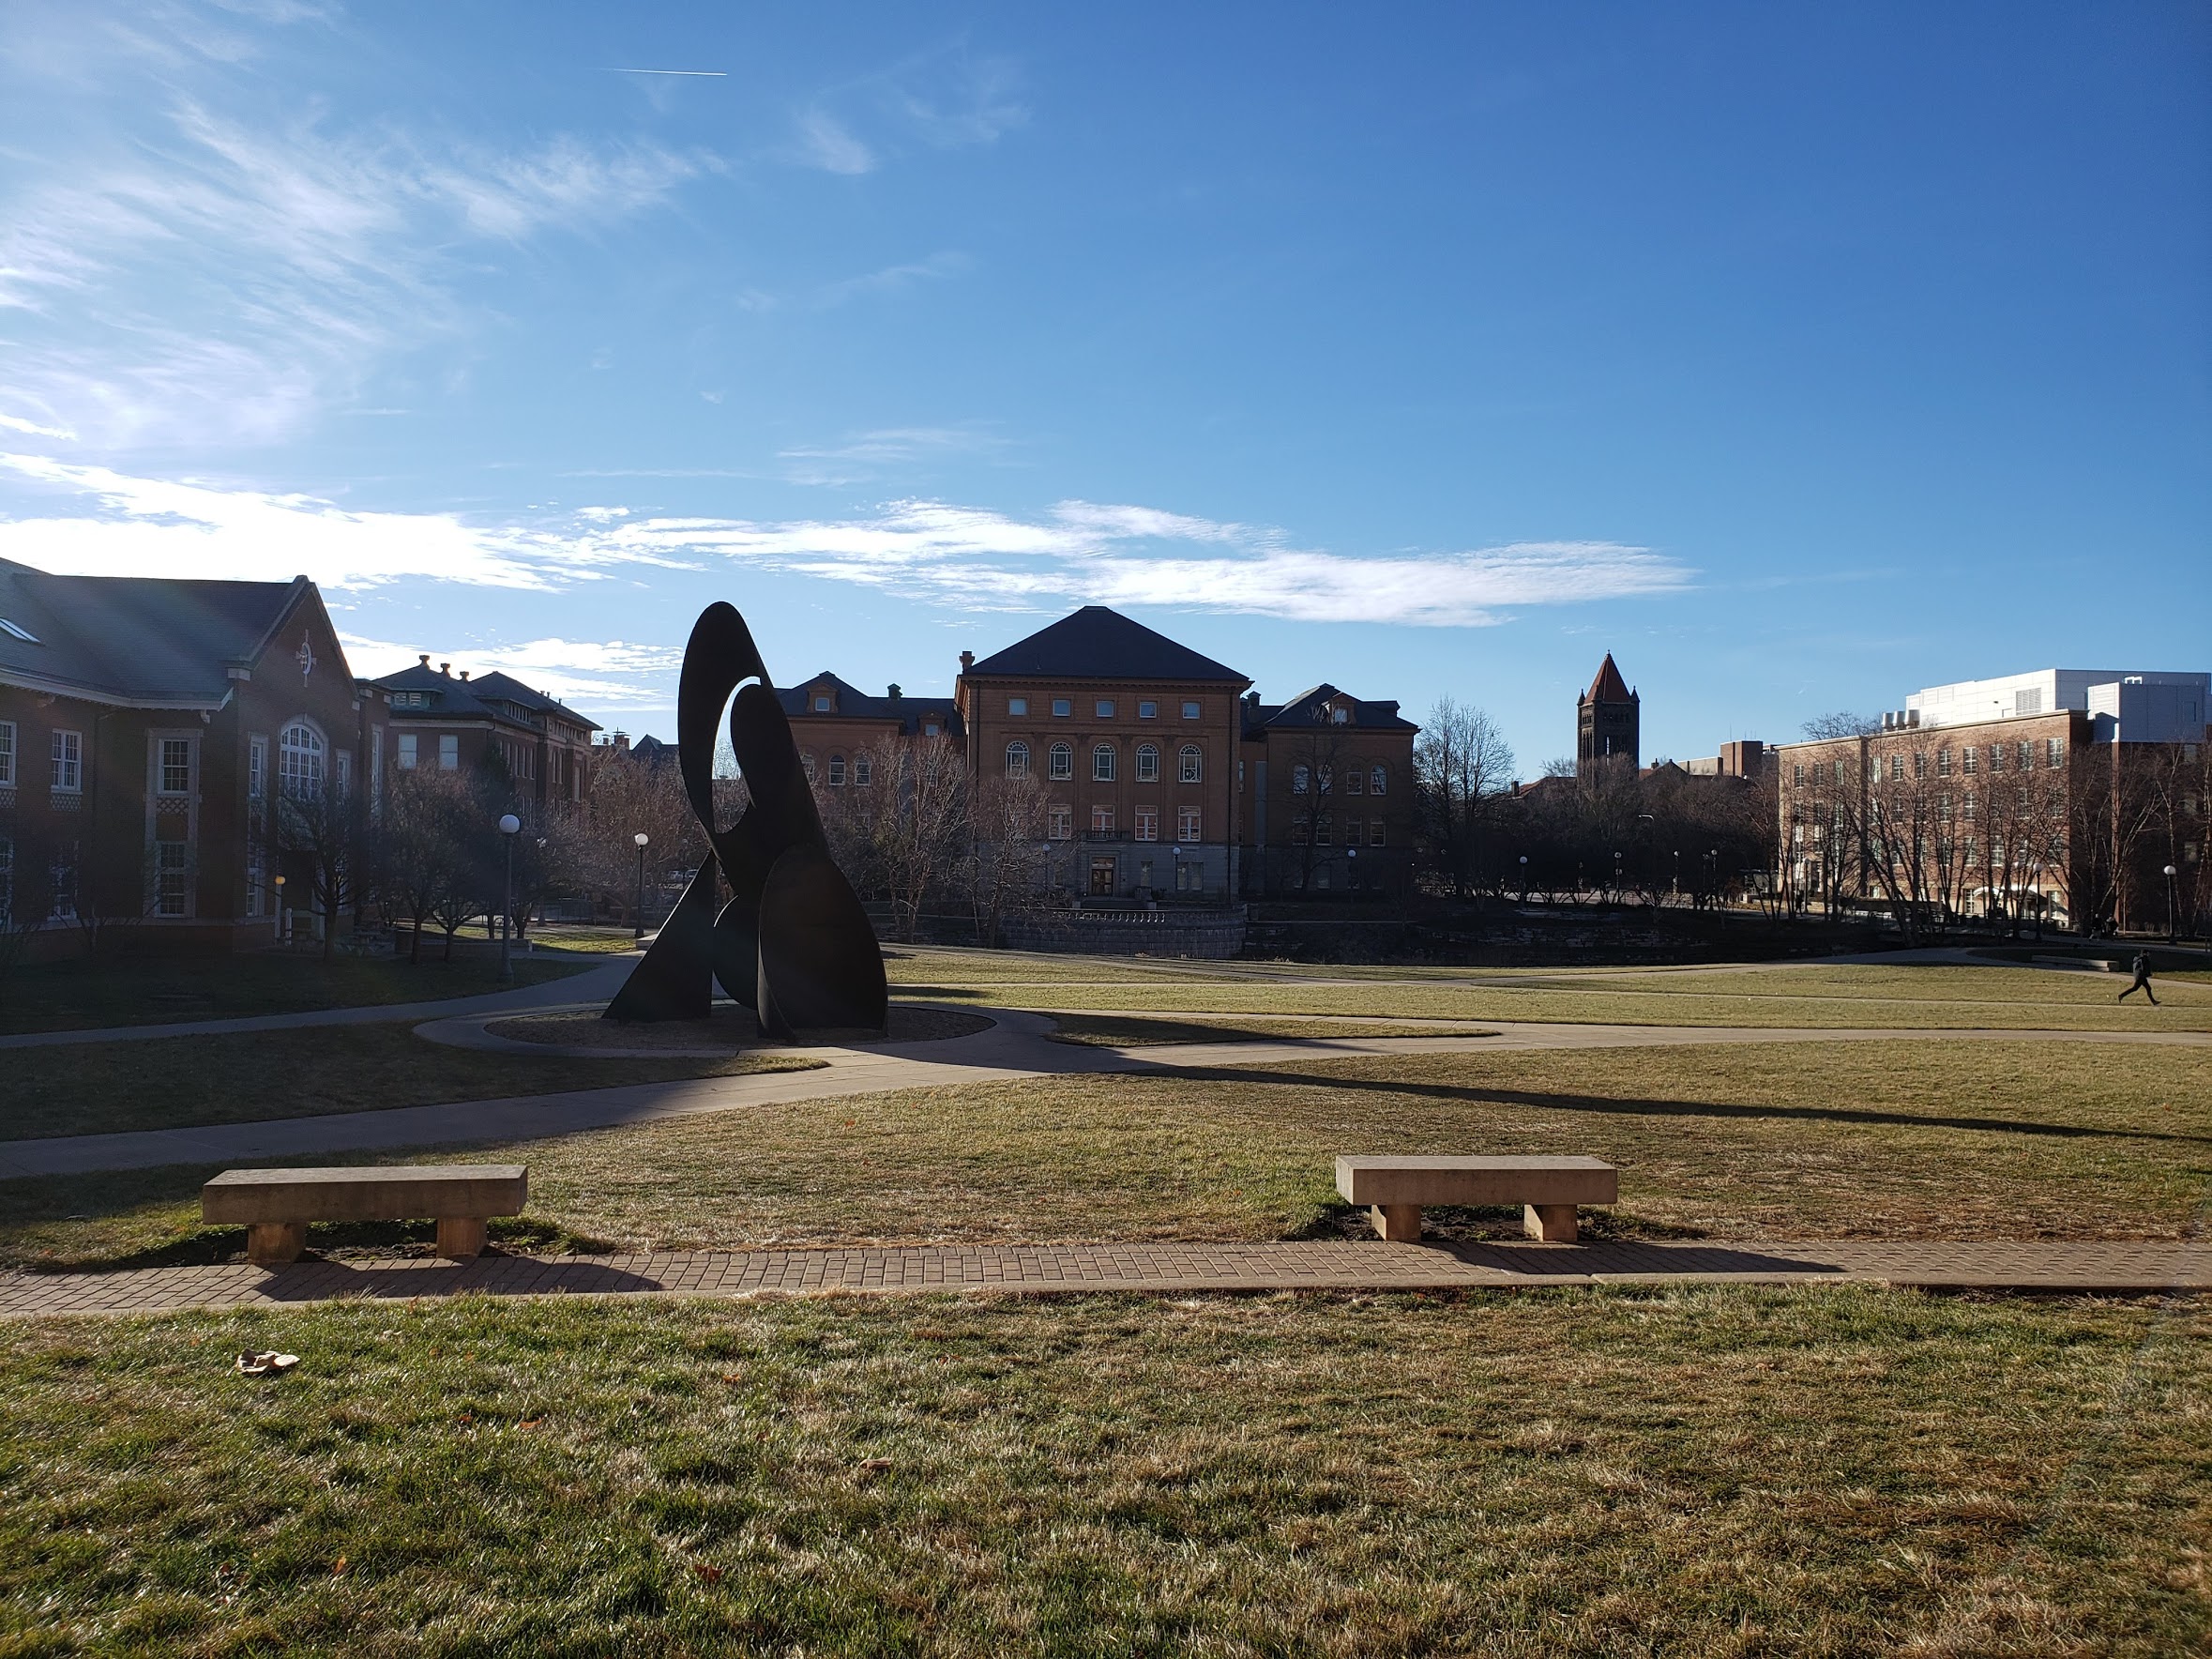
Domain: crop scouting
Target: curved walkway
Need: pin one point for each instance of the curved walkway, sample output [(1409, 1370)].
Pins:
[(1015, 1046)]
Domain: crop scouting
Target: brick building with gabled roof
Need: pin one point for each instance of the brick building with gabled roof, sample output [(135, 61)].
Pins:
[(452, 722), (145, 724), (839, 727), (1326, 794), (1608, 722)]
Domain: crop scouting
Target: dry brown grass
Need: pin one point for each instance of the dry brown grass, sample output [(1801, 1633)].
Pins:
[(1135, 1031)]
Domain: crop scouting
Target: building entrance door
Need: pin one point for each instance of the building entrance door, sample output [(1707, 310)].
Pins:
[(1101, 879)]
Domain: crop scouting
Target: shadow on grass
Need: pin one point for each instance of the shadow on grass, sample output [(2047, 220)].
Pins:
[(1663, 1108), (1488, 1224)]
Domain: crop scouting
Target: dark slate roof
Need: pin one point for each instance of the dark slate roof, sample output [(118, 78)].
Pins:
[(472, 700), (852, 703), (1303, 713), (1098, 643), (1609, 686), (156, 640)]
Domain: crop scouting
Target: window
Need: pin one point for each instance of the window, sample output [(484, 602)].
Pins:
[(1063, 760), (345, 774), (1147, 710), (863, 770), (1997, 757), (1797, 775), (1966, 810), (836, 771), (1189, 765), (1339, 715), (409, 752), (1325, 777), (1321, 831), (172, 867), (1897, 768), (7, 881), (7, 753), (2026, 756), (1354, 780), (257, 769), (1017, 760), (1375, 832), (820, 702), (61, 880), (448, 751), (1104, 707), (1059, 823), (1966, 759), (1839, 769), (930, 729), (1016, 705), (68, 771), (1942, 763), (1103, 763), (299, 761), (1190, 711), (1301, 780), (1919, 763), (1147, 823), (1102, 820), (1378, 780), (1187, 823), (1062, 706), (1298, 832), (2054, 751), (1148, 764)]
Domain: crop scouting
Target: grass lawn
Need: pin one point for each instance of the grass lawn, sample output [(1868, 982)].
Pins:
[(570, 936), (1989, 1140), (1125, 1031), (100, 1088), (93, 993), (1698, 1472)]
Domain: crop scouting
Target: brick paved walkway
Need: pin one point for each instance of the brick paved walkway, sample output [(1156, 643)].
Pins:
[(1060, 1268)]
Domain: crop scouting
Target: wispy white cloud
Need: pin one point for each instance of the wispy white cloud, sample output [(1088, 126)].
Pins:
[(599, 672), (221, 282), (932, 552), (869, 454), (825, 142)]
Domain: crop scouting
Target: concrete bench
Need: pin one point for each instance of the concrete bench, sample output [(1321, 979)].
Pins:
[(1396, 1188), (276, 1204)]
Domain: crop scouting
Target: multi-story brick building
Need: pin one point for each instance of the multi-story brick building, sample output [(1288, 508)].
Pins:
[(1326, 795), (2060, 796), (1135, 740), (147, 725), (1608, 726), (455, 723), (841, 730)]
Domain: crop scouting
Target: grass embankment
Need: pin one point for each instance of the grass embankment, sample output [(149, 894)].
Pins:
[(1700, 1472), (1992, 1140), (1128, 1032), (165, 1082), (95, 992), (1821, 997)]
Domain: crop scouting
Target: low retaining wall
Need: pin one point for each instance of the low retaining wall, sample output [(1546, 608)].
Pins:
[(1206, 936)]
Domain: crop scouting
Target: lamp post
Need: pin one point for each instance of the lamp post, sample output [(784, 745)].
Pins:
[(508, 826), (1525, 878), (284, 921), (2173, 911), (641, 838)]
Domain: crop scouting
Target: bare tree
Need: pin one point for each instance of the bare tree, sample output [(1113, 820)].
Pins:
[(1009, 866), (1462, 765), (327, 823)]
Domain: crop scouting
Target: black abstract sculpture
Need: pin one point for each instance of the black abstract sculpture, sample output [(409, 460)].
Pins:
[(792, 943)]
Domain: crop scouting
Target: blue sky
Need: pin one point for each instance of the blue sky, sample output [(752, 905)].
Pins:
[(1801, 356)]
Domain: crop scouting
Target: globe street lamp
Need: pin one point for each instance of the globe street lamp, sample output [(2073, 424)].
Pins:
[(510, 826), (284, 921), (2173, 911), (1525, 878), (641, 838)]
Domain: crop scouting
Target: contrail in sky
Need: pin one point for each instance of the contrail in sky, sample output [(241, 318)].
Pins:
[(715, 74)]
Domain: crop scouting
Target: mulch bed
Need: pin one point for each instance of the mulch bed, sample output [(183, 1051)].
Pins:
[(729, 1027)]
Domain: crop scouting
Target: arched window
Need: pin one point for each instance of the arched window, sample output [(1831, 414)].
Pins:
[(1017, 760), (1063, 760), (1301, 780), (1103, 763), (863, 770), (299, 761), (1189, 765), (807, 763), (836, 771), (1378, 780), (1147, 763)]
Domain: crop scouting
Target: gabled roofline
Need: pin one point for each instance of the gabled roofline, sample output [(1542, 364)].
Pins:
[(78, 692)]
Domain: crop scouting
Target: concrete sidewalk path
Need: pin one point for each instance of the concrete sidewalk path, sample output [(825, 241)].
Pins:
[(2051, 1267), (597, 984), (1015, 1046)]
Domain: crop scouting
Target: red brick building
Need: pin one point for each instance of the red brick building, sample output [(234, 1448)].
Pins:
[(1326, 795), (451, 723), (145, 726)]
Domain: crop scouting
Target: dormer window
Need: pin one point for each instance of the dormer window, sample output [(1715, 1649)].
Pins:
[(1339, 715), (17, 631), (820, 702)]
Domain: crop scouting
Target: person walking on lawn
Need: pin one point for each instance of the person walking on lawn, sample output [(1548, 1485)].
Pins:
[(2141, 981)]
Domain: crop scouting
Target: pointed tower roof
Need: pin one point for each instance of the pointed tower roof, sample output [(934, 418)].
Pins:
[(1609, 686)]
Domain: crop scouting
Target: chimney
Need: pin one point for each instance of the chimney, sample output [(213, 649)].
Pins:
[(967, 661), (622, 742), (464, 674), (424, 659), (893, 690), (446, 669)]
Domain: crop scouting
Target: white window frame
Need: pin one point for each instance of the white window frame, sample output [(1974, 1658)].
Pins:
[(410, 750), (1190, 764), (1190, 711), (1017, 759), (1147, 823), (1105, 761), (1187, 825), (1017, 705), (1147, 763), (173, 878), (1063, 707), (1103, 708), (863, 771), (162, 749), (836, 771), (448, 751), (65, 765), (290, 775), (1060, 762), (1059, 823), (6, 754), (1146, 710)]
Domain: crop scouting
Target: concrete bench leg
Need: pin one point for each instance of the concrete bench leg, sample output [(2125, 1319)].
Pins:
[(1555, 1224), (272, 1243), (1400, 1223), (461, 1237)]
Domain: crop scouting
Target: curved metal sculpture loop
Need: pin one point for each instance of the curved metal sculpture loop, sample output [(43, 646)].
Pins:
[(792, 943)]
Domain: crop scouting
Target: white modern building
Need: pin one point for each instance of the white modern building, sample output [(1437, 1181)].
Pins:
[(2129, 704)]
